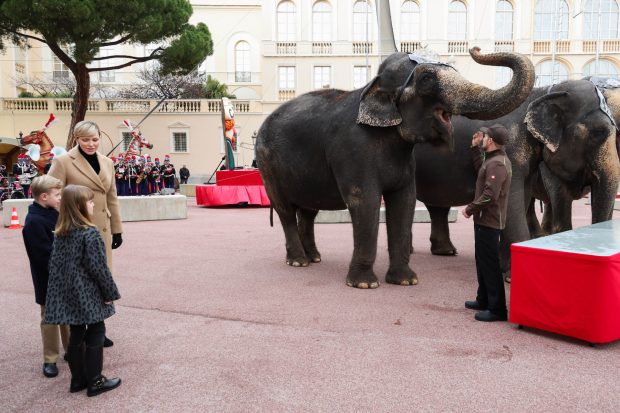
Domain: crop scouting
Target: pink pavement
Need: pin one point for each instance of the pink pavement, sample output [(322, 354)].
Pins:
[(212, 319)]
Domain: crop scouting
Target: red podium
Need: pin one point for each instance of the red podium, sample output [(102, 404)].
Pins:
[(569, 283), (239, 186)]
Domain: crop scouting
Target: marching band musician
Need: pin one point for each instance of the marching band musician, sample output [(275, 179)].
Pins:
[(132, 176), (143, 184), (24, 172), (168, 172), (154, 177), (120, 175)]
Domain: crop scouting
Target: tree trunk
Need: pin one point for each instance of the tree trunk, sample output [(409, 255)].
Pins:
[(80, 100)]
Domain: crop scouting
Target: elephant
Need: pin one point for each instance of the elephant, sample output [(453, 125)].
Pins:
[(551, 223), (332, 149), (561, 144)]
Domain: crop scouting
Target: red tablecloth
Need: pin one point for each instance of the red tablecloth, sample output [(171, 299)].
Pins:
[(576, 295), (244, 177), (214, 195)]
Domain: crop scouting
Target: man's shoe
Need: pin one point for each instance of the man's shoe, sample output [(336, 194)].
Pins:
[(101, 385), (107, 342), (50, 370), (486, 315), (475, 305)]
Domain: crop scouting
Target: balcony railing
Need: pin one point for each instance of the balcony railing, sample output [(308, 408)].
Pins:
[(458, 47), (125, 105), (243, 76), (410, 47), (504, 46), (286, 48), (286, 94), (362, 48), (546, 46), (321, 48), (605, 46)]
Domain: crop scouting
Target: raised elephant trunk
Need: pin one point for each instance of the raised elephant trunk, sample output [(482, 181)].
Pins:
[(478, 102)]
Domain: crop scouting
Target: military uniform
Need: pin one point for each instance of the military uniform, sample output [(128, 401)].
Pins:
[(168, 172)]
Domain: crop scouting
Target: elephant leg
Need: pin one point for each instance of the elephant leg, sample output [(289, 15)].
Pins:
[(440, 231), (532, 221), (365, 219), (399, 209), (295, 253), (547, 218), (561, 201), (305, 224)]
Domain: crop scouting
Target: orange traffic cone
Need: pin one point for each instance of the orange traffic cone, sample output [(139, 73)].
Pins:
[(14, 220)]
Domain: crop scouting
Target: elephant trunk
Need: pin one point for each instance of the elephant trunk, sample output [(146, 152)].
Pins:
[(605, 183), (478, 102)]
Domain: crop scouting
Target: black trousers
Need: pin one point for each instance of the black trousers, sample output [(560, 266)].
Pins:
[(91, 335), (491, 292)]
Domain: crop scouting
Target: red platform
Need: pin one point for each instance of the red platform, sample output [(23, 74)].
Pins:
[(240, 186), (569, 283), (244, 177)]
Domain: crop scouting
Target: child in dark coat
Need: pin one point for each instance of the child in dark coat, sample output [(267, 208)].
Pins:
[(81, 290), (38, 238)]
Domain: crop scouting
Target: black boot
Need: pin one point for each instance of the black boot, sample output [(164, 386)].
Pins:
[(75, 357), (97, 383)]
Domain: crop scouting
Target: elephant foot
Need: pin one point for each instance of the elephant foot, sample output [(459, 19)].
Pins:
[(313, 255), (362, 279), (297, 261), (443, 248), (404, 276)]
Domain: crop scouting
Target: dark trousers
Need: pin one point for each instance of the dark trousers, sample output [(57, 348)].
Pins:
[(491, 292), (91, 335)]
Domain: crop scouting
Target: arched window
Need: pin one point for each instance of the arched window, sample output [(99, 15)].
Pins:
[(409, 21), (603, 68), (362, 21), (550, 72), (457, 21), (603, 27), (286, 21), (321, 22), (503, 20), (243, 67), (551, 20)]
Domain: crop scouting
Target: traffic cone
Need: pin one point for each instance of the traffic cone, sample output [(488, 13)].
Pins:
[(14, 220)]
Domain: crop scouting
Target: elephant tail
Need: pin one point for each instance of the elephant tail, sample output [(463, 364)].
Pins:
[(271, 215)]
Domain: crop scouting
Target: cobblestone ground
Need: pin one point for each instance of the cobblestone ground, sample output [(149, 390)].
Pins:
[(211, 319)]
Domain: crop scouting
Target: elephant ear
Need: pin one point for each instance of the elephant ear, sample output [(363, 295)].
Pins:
[(378, 106), (545, 119)]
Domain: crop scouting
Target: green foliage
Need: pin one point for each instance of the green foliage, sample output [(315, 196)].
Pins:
[(213, 89), (24, 94)]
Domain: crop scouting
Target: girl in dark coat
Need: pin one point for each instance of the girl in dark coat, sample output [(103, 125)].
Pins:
[(81, 290)]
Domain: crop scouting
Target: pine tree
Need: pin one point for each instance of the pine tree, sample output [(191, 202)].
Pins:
[(75, 31)]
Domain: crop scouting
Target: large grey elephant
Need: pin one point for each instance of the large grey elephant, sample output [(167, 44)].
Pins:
[(546, 184), (560, 139), (332, 149)]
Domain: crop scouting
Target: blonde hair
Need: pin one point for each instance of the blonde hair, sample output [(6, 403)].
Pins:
[(74, 210), (85, 128), (44, 184)]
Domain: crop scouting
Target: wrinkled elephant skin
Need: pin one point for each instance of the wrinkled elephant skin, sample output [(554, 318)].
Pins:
[(332, 149), (560, 145)]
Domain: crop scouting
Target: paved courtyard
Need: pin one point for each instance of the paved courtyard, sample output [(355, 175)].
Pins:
[(211, 319)]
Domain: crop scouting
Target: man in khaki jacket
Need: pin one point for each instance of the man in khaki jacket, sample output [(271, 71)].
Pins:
[(489, 211)]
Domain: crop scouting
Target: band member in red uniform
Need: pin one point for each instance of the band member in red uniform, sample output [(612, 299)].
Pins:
[(155, 177), (24, 171), (132, 176), (120, 175), (168, 173)]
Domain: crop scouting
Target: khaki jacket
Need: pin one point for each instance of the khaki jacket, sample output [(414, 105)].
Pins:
[(73, 168)]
